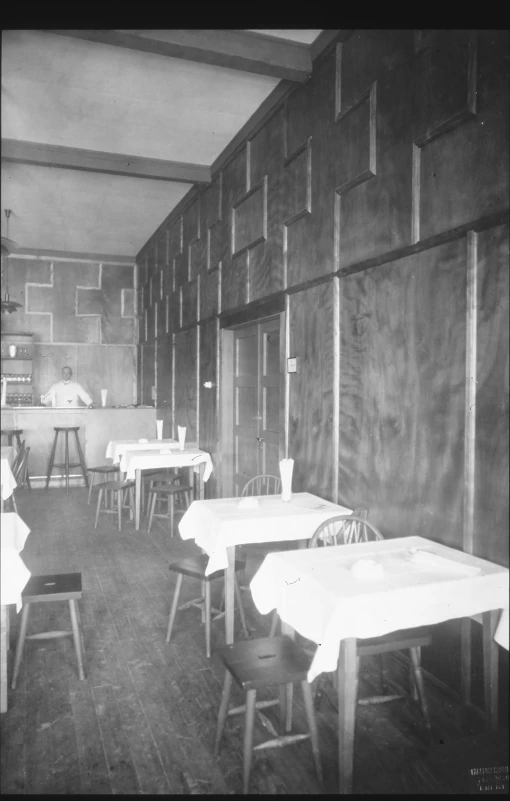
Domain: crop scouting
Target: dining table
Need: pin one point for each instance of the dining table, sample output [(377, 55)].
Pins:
[(7, 481), (219, 525), (338, 594), (14, 576), (133, 457)]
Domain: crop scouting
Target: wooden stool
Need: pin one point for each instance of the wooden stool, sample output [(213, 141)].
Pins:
[(117, 488), (104, 469), (195, 566), (168, 491), (43, 589), (15, 432), (257, 664), (66, 430)]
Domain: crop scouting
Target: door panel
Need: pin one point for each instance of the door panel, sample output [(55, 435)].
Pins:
[(256, 401)]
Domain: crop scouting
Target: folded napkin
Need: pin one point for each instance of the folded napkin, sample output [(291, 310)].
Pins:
[(429, 559), (143, 440), (367, 569), (181, 434), (159, 429), (248, 503), (286, 468)]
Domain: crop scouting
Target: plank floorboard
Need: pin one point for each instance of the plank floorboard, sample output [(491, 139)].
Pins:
[(143, 721)]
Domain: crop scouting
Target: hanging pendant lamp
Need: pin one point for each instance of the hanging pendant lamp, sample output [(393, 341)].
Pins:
[(8, 247)]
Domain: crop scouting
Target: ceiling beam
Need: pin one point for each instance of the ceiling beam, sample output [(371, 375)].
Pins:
[(236, 50), (73, 158)]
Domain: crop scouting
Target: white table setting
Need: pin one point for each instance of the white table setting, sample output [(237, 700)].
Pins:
[(221, 524), (7, 480), (14, 576), (337, 594)]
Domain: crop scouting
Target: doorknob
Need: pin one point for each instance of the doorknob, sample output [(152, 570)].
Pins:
[(260, 439)]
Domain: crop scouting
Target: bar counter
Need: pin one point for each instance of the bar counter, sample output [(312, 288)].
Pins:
[(97, 427)]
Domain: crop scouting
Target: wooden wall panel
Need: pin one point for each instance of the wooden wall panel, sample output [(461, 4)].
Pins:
[(164, 384), (402, 393), (148, 372), (111, 368), (210, 293), (311, 390), (491, 455), (208, 397), (186, 382), (189, 301), (234, 270)]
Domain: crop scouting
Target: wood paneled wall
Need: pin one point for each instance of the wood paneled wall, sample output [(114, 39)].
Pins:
[(81, 314), (375, 198)]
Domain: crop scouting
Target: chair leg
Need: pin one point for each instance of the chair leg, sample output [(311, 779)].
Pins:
[(223, 712), (131, 503), (274, 624), (20, 644), (76, 637), (418, 677), (175, 603), (119, 509), (52, 459), (312, 725), (282, 691), (80, 626), (207, 598), (242, 615), (251, 698), (152, 506), (90, 487), (99, 499), (382, 669), (14, 503)]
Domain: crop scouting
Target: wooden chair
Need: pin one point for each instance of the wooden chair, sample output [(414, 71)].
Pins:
[(15, 433), (44, 589), (102, 469), (264, 484), (19, 471), (260, 664), (119, 489), (194, 566), (346, 529)]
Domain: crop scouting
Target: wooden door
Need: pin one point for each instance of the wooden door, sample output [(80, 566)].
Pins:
[(256, 400)]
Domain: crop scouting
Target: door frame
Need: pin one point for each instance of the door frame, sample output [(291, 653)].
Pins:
[(226, 399)]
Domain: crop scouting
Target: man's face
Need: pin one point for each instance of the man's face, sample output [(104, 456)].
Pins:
[(66, 374)]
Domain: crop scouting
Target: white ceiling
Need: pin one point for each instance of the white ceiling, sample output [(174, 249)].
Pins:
[(64, 92)]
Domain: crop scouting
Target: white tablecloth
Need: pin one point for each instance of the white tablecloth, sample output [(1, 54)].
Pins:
[(151, 460), (8, 482), (316, 592), (8, 452), (117, 447), (501, 635), (218, 524), (14, 573)]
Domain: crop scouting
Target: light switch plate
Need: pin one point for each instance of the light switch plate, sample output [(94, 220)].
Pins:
[(292, 365)]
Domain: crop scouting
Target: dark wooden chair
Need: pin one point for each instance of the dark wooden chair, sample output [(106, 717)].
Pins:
[(120, 491), (259, 664), (45, 589), (100, 470), (194, 566), (346, 529)]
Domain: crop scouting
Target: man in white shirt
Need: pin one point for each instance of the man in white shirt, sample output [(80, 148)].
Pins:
[(66, 392)]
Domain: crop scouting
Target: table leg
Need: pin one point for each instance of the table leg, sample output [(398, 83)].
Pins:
[(201, 492), (288, 631), (229, 595), (490, 669), (138, 497), (347, 681)]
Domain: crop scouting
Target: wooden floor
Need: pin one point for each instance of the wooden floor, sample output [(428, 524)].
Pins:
[(143, 720)]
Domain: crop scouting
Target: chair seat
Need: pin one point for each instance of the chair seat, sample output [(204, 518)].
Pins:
[(195, 566), (169, 489), (265, 662), (58, 586), (66, 428), (104, 468)]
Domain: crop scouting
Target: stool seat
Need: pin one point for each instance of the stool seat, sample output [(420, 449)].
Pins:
[(169, 491), (259, 664), (45, 589), (102, 469), (65, 431), (195, 566)]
